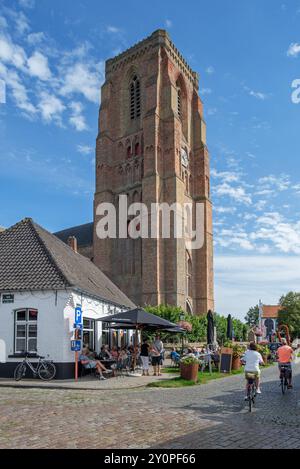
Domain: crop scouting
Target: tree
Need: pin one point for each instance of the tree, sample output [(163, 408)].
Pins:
[(252, 316), (199, 325), (290, 313)]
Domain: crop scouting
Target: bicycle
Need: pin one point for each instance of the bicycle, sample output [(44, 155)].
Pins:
[(45, 369), (285, 374), (251, 389)]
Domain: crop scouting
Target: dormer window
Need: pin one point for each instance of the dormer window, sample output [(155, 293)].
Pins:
[(135, 98)]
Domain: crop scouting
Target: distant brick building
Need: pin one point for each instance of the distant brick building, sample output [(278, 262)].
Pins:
[(151, 146), (268, 315)]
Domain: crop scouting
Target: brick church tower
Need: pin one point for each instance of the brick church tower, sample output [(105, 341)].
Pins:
[(151, 146)]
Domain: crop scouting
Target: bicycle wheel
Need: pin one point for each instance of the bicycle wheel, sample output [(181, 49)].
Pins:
[(47, 371), (250, 403), (282, 386), (20, 371)]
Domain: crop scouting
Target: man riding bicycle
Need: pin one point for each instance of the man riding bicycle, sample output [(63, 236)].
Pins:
[(252, 359), (285, 358)]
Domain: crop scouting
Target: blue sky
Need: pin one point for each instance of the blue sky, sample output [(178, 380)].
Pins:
[(247, 54)]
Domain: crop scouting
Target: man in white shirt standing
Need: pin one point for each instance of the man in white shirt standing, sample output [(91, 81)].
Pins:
[(252, 359)]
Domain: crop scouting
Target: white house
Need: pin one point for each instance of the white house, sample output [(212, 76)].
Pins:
[(41, 281)]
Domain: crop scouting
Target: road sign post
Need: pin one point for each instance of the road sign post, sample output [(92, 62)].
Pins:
[(76, 343)]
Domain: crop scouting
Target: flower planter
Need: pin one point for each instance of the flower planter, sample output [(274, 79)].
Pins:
[(189, 372), (265, 359), (236, 363)]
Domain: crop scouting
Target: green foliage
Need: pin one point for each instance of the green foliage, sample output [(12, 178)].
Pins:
[(203, 378), (263, 349), (238, 350), (252, 316), (199, 323), (189, 361), (290, 313)]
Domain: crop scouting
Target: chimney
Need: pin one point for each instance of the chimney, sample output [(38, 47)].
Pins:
[(72, 242)]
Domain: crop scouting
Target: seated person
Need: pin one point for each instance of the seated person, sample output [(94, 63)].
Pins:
[(285, 357), (252, 359), (105, 353), (175, 357), (89, 362), (115, 352)]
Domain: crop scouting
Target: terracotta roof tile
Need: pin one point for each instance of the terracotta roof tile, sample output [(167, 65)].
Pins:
[(270, 311)]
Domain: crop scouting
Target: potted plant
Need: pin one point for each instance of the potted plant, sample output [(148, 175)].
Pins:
[(263, 349), (189, 367), (238, 352)]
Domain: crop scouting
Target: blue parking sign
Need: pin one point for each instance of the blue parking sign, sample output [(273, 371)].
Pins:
[(75, 345), (78, 315)]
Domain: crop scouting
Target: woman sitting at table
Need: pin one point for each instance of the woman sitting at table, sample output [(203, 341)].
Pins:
[(105, 353), (89, 362), (115, 353)]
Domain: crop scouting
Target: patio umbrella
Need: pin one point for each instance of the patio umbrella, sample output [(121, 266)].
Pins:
[(210, 328), (138, 318), (229, 332)]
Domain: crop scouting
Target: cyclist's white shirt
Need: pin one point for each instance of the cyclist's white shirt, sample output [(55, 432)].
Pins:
[(252, 360)]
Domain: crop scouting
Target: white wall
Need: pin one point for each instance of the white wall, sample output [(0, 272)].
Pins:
[(50, 321), (55, 322)]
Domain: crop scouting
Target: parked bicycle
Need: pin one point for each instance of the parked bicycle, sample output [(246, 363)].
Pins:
[(44, 369), (251, 389)]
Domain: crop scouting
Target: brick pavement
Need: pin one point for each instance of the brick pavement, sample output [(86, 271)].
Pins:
[(207, 416)]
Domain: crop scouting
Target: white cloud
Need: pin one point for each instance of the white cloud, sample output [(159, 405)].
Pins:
[(22, 24), (51, 107), (35, 38), (258, 95), (85, 149), (83, 78), (241, 281), (273, 183), (210, 70), (3, 22), (168, 23), (27, 3), (11, 53), (113, 29), (293, 50), (226, 176), (212, 111), (231, 238), (205, 91), (237, 193), (38, 66), (77, 119), (279, 233), (18, 90)]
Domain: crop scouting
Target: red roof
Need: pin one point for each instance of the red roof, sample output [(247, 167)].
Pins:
[(270, 311)]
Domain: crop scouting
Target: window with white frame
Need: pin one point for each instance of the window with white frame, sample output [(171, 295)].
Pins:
[(89, 333), (26, 330)]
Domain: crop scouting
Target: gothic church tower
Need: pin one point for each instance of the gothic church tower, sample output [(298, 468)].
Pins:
[(151, 146)]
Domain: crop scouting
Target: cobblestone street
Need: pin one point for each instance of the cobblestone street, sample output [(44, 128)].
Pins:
[(207, 416)]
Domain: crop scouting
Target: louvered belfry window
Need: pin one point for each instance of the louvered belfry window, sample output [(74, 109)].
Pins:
[(135, 98), (179, 102)]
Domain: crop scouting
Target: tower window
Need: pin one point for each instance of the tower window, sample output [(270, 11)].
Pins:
[(128, 152), (135, 98), (137, 149), (179, 107)]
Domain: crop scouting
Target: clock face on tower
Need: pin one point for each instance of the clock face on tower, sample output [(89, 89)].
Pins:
[(184, 158)]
